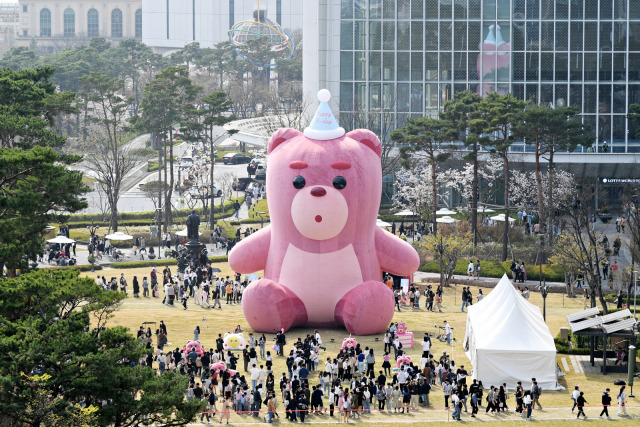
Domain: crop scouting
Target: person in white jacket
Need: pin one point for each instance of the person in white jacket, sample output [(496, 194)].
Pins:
[(622, 400)]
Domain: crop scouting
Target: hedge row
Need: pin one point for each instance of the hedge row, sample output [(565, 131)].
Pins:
[(163, 261), (491, 268), (83, 267), (80, 220), (564, 347)]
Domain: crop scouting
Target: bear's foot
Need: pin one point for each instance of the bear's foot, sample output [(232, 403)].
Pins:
[(269, 306), (366, 309)]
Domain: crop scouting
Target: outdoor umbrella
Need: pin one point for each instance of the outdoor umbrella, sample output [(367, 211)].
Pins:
[(49, 228), (405, 213), (184, 233), (381, 223), (485, 209), (446, 220), (61, 240), (445, 211), (500, 218), (119, 235)]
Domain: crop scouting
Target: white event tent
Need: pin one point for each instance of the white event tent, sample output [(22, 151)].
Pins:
[(508, 341)]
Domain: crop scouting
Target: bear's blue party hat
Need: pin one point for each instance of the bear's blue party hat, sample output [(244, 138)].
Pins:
[(324, 125)]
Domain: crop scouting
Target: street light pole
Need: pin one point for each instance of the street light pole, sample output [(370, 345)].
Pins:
[(261, 214), (158, 218), (92, 232), (635, 293), (543, 291)]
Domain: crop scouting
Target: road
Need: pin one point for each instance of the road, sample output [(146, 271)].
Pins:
[(132, 198)]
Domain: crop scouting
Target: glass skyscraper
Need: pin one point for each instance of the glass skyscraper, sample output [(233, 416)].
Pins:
[(395, 59)]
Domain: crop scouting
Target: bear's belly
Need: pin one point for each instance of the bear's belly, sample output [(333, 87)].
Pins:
[(320, 280)]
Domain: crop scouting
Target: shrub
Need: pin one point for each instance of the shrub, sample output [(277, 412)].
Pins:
[(164, 261), (84, 267), (491, 268)]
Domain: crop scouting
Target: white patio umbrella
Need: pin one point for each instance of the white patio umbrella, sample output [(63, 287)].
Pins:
[(381, 223), (500, 217), (485, 209), (446, 220), (63, 240), (49, 228), (445, 211), (185, 233), (405, 213), (119, 235)]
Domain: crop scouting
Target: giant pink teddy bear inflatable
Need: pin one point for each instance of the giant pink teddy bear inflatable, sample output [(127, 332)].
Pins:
[(193, 345), (323, 254)]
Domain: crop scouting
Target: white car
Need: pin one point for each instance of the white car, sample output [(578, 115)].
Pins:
[(186, 162), (202, 192)]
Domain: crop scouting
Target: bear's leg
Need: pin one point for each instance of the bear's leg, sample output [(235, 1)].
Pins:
[(269, 306), (366, 309)]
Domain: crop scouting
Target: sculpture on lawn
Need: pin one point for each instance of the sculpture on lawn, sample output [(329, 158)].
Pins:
[(323, 254)]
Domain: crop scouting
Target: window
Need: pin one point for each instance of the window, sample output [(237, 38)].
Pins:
[(116, 23), (69, 23), (93, 25), (24, 9), (139, 23), (45, 23)]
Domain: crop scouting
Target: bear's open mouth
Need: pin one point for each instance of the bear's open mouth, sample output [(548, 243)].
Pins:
[(318, 218)]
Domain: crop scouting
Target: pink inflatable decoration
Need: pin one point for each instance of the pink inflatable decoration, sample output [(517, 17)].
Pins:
[(193, 345), (349, 343), (220, 367), (403, 360), (323, 254)]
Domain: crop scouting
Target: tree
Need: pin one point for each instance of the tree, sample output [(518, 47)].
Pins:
[(413, 190), (167, 102), (29, 104), (19, 58), (430, 140), (550, 130), (152, 190), (580, 245), (216, 60), (36, 188), (109, 155), (502, 113), (211, 117), (469, 121), (55, 323), (453, 242)]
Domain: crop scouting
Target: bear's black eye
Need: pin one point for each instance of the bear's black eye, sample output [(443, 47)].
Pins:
[(339, 182), (299, 182)]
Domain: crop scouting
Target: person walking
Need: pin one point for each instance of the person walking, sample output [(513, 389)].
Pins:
[(606, 402), (622, 400), (536, 392), (581, 401), (470, 269), (574, 395), (528, 403), (145, 288)]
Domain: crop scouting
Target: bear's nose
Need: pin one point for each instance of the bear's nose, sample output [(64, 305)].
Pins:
[(318, 191)]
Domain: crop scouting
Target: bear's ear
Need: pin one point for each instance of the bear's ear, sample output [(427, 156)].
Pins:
[(280, 136), (368, 138)]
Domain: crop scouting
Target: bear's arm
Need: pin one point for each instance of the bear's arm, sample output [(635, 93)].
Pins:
[(394, 255), (250, 254)]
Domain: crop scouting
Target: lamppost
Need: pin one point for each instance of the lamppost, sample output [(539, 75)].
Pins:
[(544, 292), (635, 293), (439, 247), (159, 222), (92, 232), (262, 214)]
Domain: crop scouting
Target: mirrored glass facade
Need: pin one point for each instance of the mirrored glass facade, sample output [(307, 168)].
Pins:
[(405, 58)]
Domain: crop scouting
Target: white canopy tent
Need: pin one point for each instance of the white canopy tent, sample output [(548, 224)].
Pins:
[(508, 341)]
